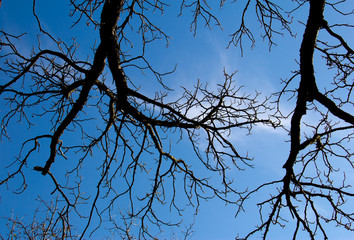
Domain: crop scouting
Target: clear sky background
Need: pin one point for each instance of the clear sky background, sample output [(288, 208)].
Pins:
[(203, 57)]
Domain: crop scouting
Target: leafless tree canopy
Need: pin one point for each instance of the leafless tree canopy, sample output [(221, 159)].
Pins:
[(91, 127)]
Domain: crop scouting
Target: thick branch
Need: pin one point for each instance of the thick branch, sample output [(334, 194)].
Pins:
[(109, 18), (308, 82)]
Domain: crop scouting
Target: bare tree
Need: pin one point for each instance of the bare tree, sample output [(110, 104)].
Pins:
[(124, 141), (320, 155), (105, 132)]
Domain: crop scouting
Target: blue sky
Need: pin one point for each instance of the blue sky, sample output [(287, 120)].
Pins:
[(203, 57)]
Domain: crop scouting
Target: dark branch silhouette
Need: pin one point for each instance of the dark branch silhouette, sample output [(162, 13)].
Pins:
[(107, 147)]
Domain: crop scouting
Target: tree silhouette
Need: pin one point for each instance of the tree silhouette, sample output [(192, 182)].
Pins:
[(91, 125), (316, 147)]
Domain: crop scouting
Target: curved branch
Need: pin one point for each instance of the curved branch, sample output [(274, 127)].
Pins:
[(333, 108)]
